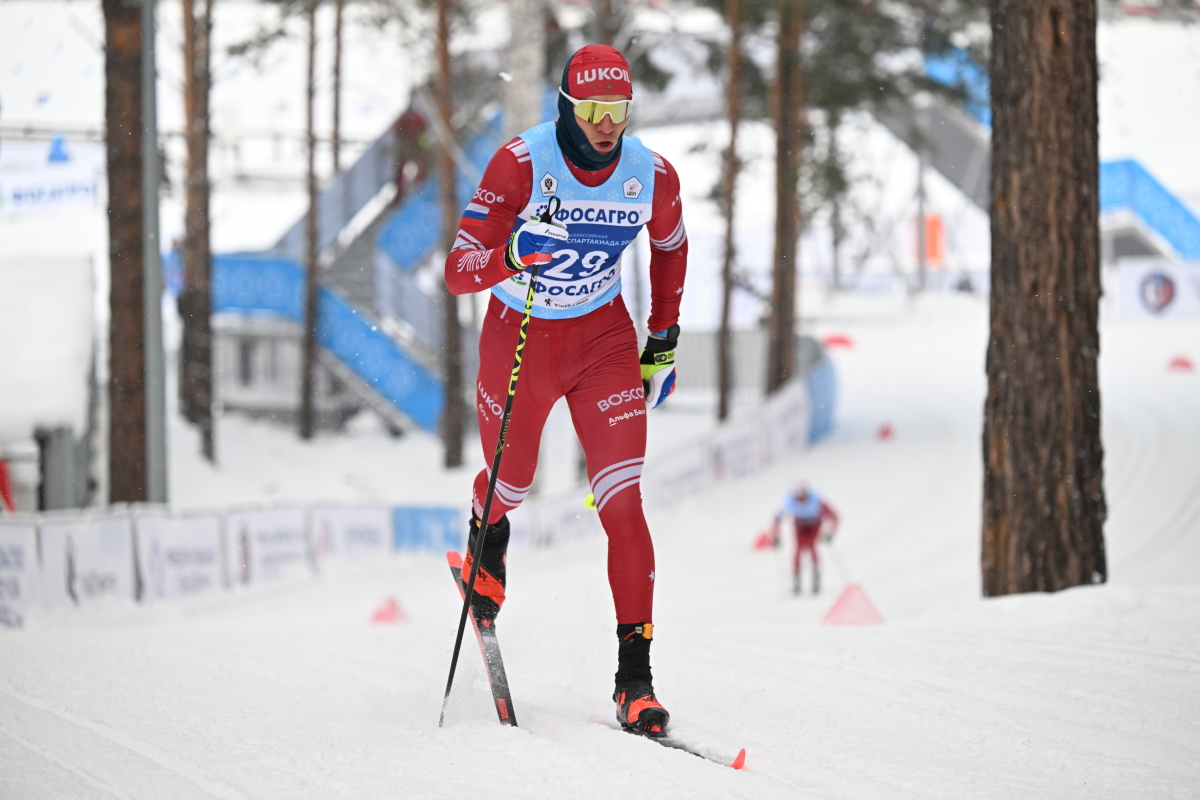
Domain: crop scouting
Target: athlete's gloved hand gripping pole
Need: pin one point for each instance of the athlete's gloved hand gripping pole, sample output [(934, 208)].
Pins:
[(658, 366), (531, 246)]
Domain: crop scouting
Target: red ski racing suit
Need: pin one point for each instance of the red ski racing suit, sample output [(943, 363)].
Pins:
[(590, 358), (808, 514)]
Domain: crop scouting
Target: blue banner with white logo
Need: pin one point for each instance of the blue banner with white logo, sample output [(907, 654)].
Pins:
[(428, 528)]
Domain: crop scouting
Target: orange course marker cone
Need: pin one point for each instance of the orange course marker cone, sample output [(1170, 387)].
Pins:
[(1181, 364), (852, 608), (389, 612)]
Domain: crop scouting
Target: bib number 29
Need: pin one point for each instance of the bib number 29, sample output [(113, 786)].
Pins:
[(592, 263)]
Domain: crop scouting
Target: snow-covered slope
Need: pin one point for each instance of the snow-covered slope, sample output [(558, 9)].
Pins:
[(47, 301), (288, 692)]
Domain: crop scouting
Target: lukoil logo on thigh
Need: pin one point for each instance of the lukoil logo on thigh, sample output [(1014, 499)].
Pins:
[(614, 400), (488, 404)]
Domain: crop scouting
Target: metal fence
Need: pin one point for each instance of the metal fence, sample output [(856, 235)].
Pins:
[(339, 202)]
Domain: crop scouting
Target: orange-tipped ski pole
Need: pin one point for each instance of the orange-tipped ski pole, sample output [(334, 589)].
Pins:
[(552, 208)]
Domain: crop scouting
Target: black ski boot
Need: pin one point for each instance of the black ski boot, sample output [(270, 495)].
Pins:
[(638, 710), (489, 583)]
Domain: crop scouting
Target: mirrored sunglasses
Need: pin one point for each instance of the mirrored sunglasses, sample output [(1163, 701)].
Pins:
[(593, 110)]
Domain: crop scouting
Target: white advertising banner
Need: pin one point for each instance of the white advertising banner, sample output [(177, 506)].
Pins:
[(265, 544), (779, 429), (351, 533), (46, 176), (786, 422), (86, 559), (735, 450), (1158, 289), (678, 474), (18, 570), (50, 186), (177, 556), (558, 520)]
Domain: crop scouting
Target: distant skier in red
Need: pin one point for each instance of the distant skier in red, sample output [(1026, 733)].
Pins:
[(809, 513), (582, 344)]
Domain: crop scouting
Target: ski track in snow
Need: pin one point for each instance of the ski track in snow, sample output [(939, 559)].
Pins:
[(105, 759), (285, 691)]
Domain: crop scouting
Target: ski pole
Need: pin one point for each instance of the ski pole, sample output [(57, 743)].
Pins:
[(840, 564), (469, 594)]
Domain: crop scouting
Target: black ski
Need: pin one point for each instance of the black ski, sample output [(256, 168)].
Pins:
[(670, 742), (738, 762), (485, 633), (490, 647)]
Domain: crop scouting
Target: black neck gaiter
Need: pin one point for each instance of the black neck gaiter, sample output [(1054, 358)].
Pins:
[(573, 141)]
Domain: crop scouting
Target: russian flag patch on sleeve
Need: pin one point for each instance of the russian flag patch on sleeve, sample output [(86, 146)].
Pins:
[(475, 214)]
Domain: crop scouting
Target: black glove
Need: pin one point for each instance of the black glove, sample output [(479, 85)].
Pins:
[(658, 366)]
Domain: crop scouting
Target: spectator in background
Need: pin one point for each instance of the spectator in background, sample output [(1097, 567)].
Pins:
[(414, 152)]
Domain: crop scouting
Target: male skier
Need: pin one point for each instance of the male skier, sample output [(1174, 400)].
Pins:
[(809, 512), (581, 341)]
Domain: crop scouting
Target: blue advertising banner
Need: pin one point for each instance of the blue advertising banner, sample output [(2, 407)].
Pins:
[(428, 528)]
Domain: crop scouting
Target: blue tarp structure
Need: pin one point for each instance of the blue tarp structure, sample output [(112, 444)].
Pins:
[(257, 284), (416, 227), (252, 283), (957, 68), (1127, 186), (822, 393)]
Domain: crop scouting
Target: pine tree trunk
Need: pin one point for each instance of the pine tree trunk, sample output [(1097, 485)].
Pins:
[(123, 118), (609, 16), (338, 6), (1044, 505), (729, 192), (311, 250), (789, 114), (526, 65), (837, 231), (195, 301), (452, 414)]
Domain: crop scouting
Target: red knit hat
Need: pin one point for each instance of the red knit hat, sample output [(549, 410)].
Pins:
[(598, 69)]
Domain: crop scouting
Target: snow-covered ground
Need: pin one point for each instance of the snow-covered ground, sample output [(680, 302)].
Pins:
[(288, 692)]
